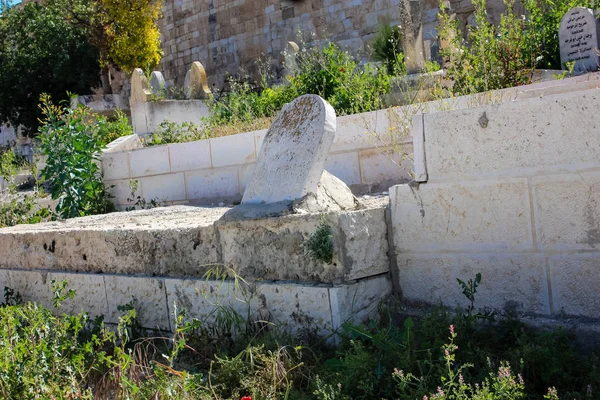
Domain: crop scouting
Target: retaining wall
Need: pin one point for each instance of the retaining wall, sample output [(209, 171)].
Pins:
[(219, 169), (371, 151), (513, 192)]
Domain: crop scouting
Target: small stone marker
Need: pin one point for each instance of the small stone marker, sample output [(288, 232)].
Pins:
[(196, 84), (140, 89), (411, 26), (293, 154), (157, 83), (578, 36), (290, 62)]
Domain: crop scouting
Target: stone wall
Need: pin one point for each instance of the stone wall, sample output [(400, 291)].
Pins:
[(228, 35), (218, 169), (512, 192)]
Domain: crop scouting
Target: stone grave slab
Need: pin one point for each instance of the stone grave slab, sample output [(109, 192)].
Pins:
[(578, 35), (293, 154), (157, 83)]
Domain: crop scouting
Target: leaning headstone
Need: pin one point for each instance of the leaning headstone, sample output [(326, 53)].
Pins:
[(293, 154), (411, 26), (578, 36), (196, 84), (290, 62), (157, 84), (140, 89)]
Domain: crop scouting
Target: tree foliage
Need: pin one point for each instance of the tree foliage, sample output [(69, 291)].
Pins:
[(125, 31), (41, 52)]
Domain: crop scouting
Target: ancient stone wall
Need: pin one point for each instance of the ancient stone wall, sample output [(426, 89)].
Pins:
[(228, 35)]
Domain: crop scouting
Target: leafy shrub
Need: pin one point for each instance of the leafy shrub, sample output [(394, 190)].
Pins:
[(494, 58), (320, 242), (45, 355), (112, 129), (387, 49), (326, 71), (41, 52), (173, 132), (71, 142), (23, 211)]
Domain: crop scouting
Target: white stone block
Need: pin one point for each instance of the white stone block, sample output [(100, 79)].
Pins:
[(420, 162), (124, 143), (245, 175), (120, 191), (514, 138), (365, 244), (508, 279), (471, 216), (567, 211), (138, 118), (33, 286), (356, 131), (386, 166), (90, 293), (212, 183), (149, 161), (259, 137), (148, 296), (575, 279), (115, 166), (190, 156), (201, 298), (296, 307), (233, 150), (168, 187), (177, 111), (345, 166), (358, 302)]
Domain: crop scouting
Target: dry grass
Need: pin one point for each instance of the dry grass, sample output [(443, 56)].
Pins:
[(254, 125)]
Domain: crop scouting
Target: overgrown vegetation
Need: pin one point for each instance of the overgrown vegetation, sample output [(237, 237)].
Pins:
[(495, 57), (41, 52), (173, 132), (441, 355), (110, 129), (71, 142), (320, 242), (327, 71)]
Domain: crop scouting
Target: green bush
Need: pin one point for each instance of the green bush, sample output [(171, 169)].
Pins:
[(45, 355), (71, 142), (495, 57), (326, 71), (173, 132), (110, 129), (41, 52), (387, 49)]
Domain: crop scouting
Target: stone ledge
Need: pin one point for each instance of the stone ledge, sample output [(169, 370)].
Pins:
[(292, 307), (183, 241)]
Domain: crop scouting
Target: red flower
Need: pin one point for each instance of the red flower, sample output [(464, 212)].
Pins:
[(246, 398), (342, 70)]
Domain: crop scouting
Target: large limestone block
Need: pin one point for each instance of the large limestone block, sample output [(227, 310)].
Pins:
[(567, 211), (293, 154), (514, 138), (575, 281), (514, 280), (472, 216)]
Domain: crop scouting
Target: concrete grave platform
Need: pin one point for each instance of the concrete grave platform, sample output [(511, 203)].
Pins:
[(159, 256)]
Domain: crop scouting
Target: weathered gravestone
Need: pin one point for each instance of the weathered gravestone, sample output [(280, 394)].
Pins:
[(140, 89), (290, 166), (578, 36), (411, 26), (196, 84), (157, 84)]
